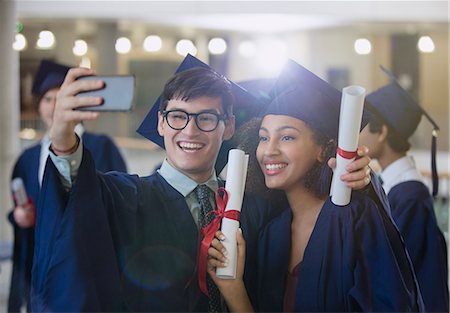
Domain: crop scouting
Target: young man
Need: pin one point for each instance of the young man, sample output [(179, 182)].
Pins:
[(395, 120), (120, 242), (30, 168)]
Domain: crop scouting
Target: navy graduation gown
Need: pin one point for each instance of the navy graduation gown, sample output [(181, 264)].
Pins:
[(107, 157), (413, 212), (26, 167), (354, 261), (118, 242)]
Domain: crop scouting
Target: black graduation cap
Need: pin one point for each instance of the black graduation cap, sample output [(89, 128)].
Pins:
[(402, 113), (260, 87), (49, 75), (245, 107), (302, 94)]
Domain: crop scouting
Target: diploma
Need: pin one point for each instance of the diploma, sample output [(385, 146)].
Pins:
[(235, 185), (19, 193), (352, 103)]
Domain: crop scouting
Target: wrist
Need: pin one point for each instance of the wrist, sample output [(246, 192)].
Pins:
[(60, 151)]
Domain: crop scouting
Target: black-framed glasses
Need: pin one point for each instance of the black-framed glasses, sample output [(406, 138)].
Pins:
[(205, 121)]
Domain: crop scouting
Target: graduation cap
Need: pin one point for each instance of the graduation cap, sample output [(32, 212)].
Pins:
[(245, 107), (260, 88), (301, 94), (49, 75), (402, 113)]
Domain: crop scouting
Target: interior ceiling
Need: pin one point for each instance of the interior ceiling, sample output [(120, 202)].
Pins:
[(242, 16)]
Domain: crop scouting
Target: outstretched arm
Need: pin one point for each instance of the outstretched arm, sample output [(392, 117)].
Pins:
[(233, 290)]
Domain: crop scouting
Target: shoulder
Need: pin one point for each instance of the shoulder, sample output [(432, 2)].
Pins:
[(409, 190)]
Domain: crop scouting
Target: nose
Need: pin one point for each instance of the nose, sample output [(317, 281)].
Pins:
[(271, 148), (191, 127)]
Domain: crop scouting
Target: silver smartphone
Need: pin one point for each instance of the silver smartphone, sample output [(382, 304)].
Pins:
[(117, 93)]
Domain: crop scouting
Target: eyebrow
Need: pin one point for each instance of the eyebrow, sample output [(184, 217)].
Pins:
[(281, 128)]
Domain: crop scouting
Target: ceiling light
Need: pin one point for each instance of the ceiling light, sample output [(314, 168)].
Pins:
[(20, 42), (425, 44), (123, 45), (46, 40), (152, 43), (362, 46), (80, 48), (185, 46), (217, 46)]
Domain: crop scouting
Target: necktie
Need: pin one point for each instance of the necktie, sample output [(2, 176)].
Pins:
[(203, 193)]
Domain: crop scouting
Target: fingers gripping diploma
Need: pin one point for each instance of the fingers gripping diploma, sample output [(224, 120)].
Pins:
[(233, 290), (65, 117), (358, 175)]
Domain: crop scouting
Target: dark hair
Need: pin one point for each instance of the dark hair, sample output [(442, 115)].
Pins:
[(395, 141), (318, 178), (198, 82)]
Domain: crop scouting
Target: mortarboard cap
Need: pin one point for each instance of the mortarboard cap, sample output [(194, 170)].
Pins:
[(301, 94), (402, 113), (49, 75), (245, 107)]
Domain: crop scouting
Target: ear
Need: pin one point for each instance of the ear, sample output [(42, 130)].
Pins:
[(383, 133), (230, 125), (161, 124)]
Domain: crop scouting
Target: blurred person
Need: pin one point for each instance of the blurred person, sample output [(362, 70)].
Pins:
[(395, 120), (315, 256), (30, 168), (119, 242)]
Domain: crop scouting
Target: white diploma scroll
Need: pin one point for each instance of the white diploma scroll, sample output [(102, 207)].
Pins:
[(352, 103), (235, 185), (19, 193)]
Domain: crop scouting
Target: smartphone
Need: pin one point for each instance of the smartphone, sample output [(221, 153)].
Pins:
[(117, 93)]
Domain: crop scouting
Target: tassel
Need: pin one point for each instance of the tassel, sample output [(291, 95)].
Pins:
[(434, 175)]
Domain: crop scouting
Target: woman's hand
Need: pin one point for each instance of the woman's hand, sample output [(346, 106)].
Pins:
[(233, 290), (358, 175)]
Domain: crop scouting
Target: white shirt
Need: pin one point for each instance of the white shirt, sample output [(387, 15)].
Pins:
[(399, 171)]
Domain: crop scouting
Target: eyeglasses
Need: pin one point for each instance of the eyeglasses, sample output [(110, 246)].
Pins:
[(205, 121)]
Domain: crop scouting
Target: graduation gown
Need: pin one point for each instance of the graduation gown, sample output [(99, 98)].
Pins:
[(107, 157), (354, 261), (118, 242), (412, 210)]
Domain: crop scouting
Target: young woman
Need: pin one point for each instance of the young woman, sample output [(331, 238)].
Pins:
[(316, 256)]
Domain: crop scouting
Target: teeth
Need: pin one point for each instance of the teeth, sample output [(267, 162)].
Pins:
[(188, 145), (272, 167)]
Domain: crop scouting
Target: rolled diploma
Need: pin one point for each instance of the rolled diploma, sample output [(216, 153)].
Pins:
[(19, 193), (352, 103), (235, 185)]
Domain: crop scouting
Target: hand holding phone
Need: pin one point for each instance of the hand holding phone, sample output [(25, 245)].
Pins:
[(117, 93)]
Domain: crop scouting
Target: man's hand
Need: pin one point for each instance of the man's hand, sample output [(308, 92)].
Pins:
[(25, 216), (358, 175), (65, 117)]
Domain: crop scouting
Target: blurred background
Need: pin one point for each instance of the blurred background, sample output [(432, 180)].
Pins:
[(341, 41)]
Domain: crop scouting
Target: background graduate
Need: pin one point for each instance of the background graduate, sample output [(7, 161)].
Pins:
[(119, 242), (397, 117), (30, 167), (316, 256)]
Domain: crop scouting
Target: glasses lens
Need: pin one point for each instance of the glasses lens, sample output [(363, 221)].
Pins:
[(177, 119), (207, 121)]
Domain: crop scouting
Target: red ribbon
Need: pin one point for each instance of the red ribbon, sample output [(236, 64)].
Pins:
[(346, 154), (209, 231)]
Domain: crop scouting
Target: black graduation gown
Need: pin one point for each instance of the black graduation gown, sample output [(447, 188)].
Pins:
[(413, 212), (354, 261), (120, 242), (107, 157)]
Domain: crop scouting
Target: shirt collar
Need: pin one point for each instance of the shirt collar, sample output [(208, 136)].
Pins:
[(79, 130), (390, 175), (182, 183)]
